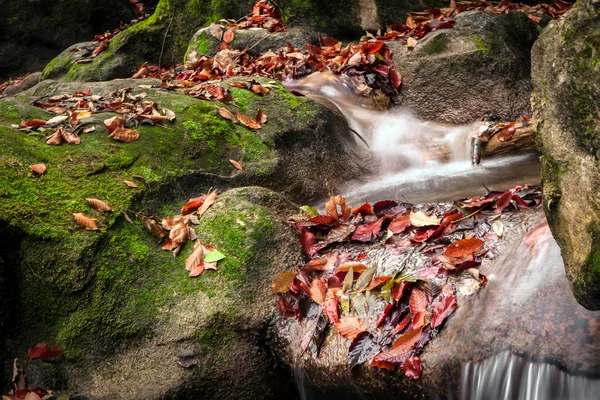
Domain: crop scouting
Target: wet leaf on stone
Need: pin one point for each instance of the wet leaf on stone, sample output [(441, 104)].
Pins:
[(318, 291), (420, 219), (412, 367), (88, 223), (463, 247), (247, 121), (281, 283), (98, 204), (364, 280), (350, 326), (362, 348)]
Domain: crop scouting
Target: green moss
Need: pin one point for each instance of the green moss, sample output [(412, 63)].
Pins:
[(292, 101), (437, 45), (481, 44), (8, 110), (202, 47), (243, 98)]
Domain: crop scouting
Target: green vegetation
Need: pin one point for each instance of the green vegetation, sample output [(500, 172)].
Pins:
[(437, 45), (481, 44)]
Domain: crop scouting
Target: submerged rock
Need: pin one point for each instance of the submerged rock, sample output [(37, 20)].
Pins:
[(566, 103), (479, 67)]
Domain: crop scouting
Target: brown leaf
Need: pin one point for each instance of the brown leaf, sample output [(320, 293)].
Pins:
[(261, 117), (169, 114), (281, 283), (114, 123), (237, 165), (318, 290), (124, 135), (98, 49), (98, 204), (195, 261), (225, 113), (153, 227), (131, 184), (169, 222), (179, 234), (356, 266), (463, 247), (349, 327), (208, 201), (247, 121), (38, 168), (56, 138), (259, 89), (70, 137), (87, 223), (228, 36), (141, 72), (420, 219)]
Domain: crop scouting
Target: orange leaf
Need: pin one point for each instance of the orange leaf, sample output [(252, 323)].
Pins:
[(38, 168), (208, 201), (83, 221), (142, 72), (98, 49), (237, 165), (357, 267), (419, 320), (192, 205), (124, 135), (171, 221), (318, 290), (350, 327), (114, 123), (331, 305), (259, 89), (179, 234), (228, 36), (195, 262), (463, 247), (418, 301), (225, 113), (281, 283), (56, 138), (99, 205), (247, 121), (406, 342), (376, 281), (261, 117), (131, 184)]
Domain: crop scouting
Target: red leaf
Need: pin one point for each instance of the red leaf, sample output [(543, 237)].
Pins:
[(412, 367), (406, 342), (398, 290), (50, 352), (37, 350), (418, 301), (373, 47), (318, 291), (247, 121), (365, 209), (307, 241), (395, 78), (402, 325), (376, 281), (331, 306), (463, 247), (98, 49), (192, 205), (399, 224), (503, 201), (34, 123), (364, 233), (419, 320), (384, 314), (444, 307), (325, 220)]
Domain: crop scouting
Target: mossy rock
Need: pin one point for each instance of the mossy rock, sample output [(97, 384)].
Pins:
[(566, 104), (102, 295), (255, 42), (479, 67)]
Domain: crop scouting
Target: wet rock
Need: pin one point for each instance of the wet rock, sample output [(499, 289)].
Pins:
[(33, 32), (566, 103), (255, 41), (526, 307), (479, 67)]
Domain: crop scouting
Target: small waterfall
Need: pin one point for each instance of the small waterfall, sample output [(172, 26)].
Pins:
[(507, 376)]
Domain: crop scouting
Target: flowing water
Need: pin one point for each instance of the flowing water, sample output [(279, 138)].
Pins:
[(527, 297)]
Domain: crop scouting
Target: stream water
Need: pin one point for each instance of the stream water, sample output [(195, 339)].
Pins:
[(527, 297)]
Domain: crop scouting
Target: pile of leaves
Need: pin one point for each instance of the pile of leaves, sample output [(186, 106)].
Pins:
[(263, 15), (19, 390), (74, 110), (176, 230), (403, 296)]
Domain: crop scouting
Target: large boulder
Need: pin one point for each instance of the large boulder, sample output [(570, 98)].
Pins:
[(119, 306), (479, 67), (566, 103), (33, 32)]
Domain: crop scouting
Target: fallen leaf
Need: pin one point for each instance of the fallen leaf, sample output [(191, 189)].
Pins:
[(399, 224), (237, 165), (208, 201), (124, 135), (247, 121), (169, 114), (51, 351), (349, 327), (355, 265), (99, 49), (331, 305), (376, 281), (420, 219), (192, 205), (310, 211), (195, 262), (56, 138), (261, 117), (225, 113), (412, 367), (38, 168), (37, 350), (444, 307), (228, 36), (418, 301), (171, 221), (498, 228), (406, 342), (318, 291), (213, 256), (363, 281), (131, 184), (114, 123), (179, 234), (363, 347), (70, 137), (463, 247), (88, 223), (32, 396), (281, 283), (98, 204)]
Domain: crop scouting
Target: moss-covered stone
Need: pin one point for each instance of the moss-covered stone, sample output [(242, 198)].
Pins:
[(566, 106)]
